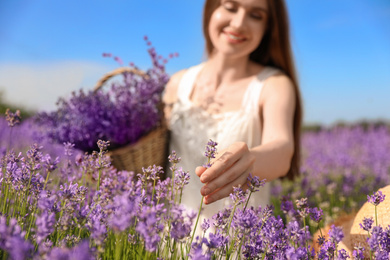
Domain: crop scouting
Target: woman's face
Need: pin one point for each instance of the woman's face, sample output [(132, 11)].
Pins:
[(237, 26)]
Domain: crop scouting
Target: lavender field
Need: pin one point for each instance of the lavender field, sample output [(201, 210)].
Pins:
[(58, 203)]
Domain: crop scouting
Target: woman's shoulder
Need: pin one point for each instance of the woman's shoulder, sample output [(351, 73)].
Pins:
[(171, 89), (170, 93), (277, 84)]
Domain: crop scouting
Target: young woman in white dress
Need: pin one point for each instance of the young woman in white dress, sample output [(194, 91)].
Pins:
[(245, 97)]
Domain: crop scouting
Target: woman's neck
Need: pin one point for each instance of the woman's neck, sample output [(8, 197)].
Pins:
[(225, 69)]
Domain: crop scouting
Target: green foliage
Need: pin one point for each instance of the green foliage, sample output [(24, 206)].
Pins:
[(26, 113)]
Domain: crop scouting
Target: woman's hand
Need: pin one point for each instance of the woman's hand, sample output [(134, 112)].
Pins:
[(230, 168)]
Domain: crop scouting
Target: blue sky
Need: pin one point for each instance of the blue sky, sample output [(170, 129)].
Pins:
[(49, 48)]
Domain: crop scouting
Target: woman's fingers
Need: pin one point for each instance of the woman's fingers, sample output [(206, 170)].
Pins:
[(241, 167), (225, 161), (200, 170), (225, 190)]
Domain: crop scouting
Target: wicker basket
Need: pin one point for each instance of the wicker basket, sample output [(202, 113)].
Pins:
[(151, 149)]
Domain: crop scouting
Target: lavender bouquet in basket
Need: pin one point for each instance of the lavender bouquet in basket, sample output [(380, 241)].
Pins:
[(120, 113)]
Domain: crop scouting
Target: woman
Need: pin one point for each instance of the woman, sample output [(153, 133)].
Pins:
[(245, 97)]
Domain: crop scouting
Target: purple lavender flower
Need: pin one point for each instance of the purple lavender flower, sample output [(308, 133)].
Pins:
[(47, 201), (197, 251), (254, 183), (299, 253), (238, 195), (377, 239), (19, 248), (275, 236), (358, 253), (246, 220), (81, 251), (217, 241), (210, 152), (180, 230), (376, 198), (34, 156), (221, 218), (68, 191), (302, 203), (205, 225), (303, 208), (382, 255), (316, 214), (181, 222), (12, 118), (286, 205), (96, 224), (182, 178), (162, 190), (367, 223), (103, 145), (336, 234), (44, 225), (68, 147), (12, 239), (327, 251), (321, 240), (342, 255), (149, 226), (50, 164), (173, 158), (296, 234)]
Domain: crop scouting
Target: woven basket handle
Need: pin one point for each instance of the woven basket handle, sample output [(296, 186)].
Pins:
[(118, 71)]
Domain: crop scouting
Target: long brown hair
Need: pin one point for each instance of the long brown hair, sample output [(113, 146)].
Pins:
[(274, 50)]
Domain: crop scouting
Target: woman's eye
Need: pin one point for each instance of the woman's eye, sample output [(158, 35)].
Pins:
[(229, 6), (256, 16)]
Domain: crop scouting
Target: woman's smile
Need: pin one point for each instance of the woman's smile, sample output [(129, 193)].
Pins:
[(233, 37)]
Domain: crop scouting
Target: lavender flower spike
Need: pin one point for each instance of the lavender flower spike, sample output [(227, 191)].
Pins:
[(238, 195), (316, 214), (367, 223), (103, 145), (173, 158), (12, 118), (376, 198), (254, 183), (210, 152), (336, 233)]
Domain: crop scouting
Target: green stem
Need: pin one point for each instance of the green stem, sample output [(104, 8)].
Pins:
[(228, 250), (58, 232), (32, 221), (196, 224), (376, 217), (10, 140), (239, 247), (246, 204), (5, 200), (100, 172), (47, 179), (154, 186)]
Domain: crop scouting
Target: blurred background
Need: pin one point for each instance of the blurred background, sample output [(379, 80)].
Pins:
[(49, 48)]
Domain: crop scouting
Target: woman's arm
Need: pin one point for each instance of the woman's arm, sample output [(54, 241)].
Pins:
[(271, 159)]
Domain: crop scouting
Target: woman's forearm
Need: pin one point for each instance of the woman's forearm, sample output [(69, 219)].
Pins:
[(272, 160)]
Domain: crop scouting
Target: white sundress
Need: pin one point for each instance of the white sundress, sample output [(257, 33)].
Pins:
[(191, 127)]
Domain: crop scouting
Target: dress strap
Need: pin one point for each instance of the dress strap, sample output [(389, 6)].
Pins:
[(252, 96), (187, 82)]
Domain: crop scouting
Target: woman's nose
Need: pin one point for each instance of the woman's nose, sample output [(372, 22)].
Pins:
[(238, 20)]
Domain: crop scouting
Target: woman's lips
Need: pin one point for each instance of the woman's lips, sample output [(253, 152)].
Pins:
[(234, 37)]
